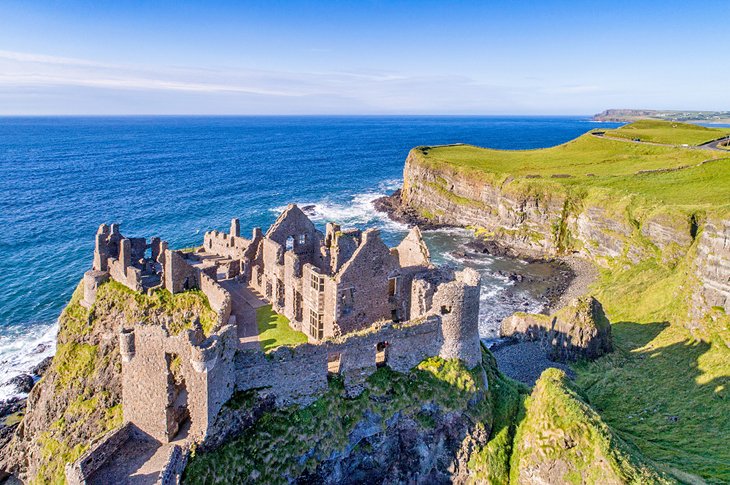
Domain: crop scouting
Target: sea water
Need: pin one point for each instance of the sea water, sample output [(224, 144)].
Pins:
[(178, 177)]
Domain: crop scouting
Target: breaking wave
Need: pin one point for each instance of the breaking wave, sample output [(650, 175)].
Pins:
[(21, 349)]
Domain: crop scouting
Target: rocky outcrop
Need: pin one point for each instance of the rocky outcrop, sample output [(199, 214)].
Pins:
[(578, 331)]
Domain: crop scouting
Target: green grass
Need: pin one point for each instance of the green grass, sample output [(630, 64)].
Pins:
[(597, 168), (274, 330), (663, 390), (290, 441), (668, 132), (559, 427)]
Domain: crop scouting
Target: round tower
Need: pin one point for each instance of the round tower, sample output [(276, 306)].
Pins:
[(92, 280), (126, 344), (457, 302)]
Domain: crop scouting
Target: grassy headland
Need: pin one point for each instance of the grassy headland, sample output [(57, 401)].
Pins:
[(599, 166)]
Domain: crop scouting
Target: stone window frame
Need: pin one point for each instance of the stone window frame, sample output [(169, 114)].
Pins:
[(393, 285), (346, 305), (289, 243), (381, 354), (316, 324), (301, 239)]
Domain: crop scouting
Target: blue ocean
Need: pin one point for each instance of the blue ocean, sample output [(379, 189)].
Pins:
[(178, 177)]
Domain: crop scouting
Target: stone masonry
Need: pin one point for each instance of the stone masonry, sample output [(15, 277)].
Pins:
[(361, 304)]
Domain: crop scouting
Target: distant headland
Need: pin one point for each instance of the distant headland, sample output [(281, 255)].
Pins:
[(629, 115)]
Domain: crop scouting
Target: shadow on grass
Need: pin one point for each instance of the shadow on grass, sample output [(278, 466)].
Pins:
[(666, 394), (274, 330)]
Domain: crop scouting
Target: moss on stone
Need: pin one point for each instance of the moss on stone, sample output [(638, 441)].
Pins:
[(288, 442)]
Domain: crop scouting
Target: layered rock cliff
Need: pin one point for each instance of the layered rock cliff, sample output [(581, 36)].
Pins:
[(530, 215)]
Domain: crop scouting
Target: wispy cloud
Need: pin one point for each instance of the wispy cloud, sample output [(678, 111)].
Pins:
[(25, 78)]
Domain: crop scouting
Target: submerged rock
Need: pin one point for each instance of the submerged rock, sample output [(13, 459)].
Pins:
[(578, 331)]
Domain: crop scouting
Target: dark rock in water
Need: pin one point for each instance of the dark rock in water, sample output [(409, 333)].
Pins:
[(23, 383), (309, 209), (42, 367), (40, 348), (10, 406), (391, 205)]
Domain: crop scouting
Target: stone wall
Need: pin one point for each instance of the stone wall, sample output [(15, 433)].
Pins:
[(174, 466), (178, 274), (296, 375), (79, 471), (165, 376), (232, 245), (218, 297)]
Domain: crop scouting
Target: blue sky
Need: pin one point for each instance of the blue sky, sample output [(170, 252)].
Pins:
[(366, 57)]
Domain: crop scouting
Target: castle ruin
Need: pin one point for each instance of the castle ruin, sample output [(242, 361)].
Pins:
[(360, 303)]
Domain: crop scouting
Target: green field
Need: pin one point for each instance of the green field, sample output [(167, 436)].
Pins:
[(661, 174), (667, 132), (274, 330)]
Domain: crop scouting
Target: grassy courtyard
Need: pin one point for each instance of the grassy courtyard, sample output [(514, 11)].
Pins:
[(274, 330)]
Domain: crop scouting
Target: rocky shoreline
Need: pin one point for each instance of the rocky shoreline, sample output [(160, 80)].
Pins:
[(567, 278)]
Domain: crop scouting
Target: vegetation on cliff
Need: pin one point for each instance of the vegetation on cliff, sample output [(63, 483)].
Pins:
[(78, 399), (563, 440), (663, 389), (295, 441)]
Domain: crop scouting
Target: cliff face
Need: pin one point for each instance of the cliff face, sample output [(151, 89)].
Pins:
[(614, 230)]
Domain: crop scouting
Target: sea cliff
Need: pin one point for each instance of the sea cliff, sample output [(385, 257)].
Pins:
[(535, 216)]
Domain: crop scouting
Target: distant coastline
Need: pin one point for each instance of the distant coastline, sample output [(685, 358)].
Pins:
[(630, 115)]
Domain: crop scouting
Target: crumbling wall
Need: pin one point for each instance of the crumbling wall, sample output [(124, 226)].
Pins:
[(150, 355), (296, 375), (218, 298), (412, 251), (178, 274), (80, 470), (367, 272)]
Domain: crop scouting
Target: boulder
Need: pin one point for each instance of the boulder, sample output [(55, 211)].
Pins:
[(23, 383), (578, 331)]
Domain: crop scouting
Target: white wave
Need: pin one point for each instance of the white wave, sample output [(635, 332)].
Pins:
[(356, 210), (21, 349)]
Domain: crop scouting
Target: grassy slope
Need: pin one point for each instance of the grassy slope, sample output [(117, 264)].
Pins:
[(672, 133), (563, 440), (274, 330), (662, 390), (290, 441)]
